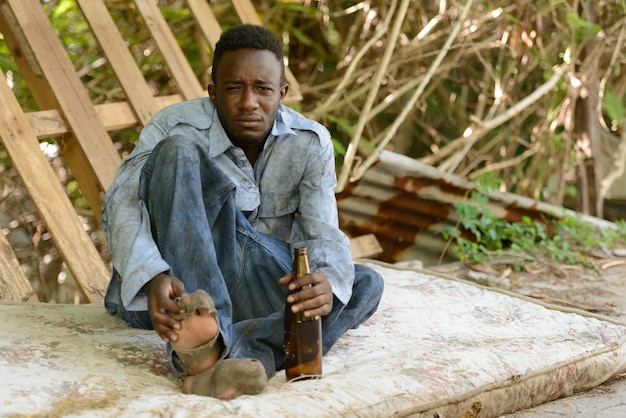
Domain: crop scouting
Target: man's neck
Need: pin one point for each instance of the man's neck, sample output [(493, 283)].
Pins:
[(253, 152)]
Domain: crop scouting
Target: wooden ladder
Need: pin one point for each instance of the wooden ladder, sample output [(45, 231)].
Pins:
[(81, 127)]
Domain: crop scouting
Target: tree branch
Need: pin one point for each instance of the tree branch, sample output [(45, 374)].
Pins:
[(416, 95), (369, 102), (486, 126)]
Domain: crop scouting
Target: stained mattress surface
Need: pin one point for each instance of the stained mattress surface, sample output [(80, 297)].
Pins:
[(435, 346)]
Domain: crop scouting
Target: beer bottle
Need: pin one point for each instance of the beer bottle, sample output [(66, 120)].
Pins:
[(303, 335)]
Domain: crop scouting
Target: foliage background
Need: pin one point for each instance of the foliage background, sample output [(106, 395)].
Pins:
[(533, 93)]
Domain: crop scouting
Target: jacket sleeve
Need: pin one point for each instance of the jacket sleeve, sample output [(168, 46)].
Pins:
[(316, 223), (125, 219), (126, 224)]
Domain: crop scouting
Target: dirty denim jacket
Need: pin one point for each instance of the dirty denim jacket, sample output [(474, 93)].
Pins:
[(289, 194)]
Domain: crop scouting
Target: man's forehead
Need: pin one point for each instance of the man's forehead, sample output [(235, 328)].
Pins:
[(260, 64)]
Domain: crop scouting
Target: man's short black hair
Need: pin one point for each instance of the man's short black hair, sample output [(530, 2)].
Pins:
[(248, 37)]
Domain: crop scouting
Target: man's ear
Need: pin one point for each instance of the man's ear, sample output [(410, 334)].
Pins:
[(283, 92), (211, 90)]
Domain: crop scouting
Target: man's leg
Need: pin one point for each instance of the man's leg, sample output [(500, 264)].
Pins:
[(208, 242), (186, 197), (262, 337), (255, 335), (367, 291)]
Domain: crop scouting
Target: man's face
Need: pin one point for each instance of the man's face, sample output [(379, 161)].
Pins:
[(247, 95)]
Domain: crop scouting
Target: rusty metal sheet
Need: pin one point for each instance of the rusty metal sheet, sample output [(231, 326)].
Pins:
[(407, 204)]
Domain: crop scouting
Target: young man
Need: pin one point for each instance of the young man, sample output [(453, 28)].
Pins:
[(215, 197)]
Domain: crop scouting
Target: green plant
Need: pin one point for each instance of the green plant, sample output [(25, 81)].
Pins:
[(479, 235)]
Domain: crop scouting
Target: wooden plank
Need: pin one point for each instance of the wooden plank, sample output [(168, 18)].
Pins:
[(365, 246), (38, 52), (174, 58), (48, 196), (14, 286), (206, 21), (247, 13), (113, 116), (120, 59)]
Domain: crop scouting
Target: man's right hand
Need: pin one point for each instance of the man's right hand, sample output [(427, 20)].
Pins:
[(162, 289)]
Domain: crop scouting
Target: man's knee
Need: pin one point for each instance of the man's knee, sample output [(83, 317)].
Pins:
[(368, 282), (176, 147)]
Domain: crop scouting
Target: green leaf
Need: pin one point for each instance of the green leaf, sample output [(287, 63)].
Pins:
[(614, 107), (62, 9), (480, 199), (487, 182), (300, 36), (339, 148), (583, 28)]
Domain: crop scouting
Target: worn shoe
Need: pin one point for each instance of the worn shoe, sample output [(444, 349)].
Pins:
[(208, 374), (230, 378)]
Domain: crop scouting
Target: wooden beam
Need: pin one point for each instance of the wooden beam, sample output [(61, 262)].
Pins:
[(113, 116), (173, 56), (206, 21), (365, 246), (120, 59), (14, 286), (54, 84), (48, 196)]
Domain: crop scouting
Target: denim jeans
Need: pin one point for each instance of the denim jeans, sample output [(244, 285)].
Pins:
[(210, 245)]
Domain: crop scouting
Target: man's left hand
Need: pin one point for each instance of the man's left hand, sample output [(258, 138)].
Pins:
[(314, 300)]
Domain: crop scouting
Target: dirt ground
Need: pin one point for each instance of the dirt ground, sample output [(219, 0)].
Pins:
[(600, 290)]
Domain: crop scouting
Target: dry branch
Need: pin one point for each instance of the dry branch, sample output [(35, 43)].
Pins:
[(485, 126), (371, 97), (414, 98), (348, 76)]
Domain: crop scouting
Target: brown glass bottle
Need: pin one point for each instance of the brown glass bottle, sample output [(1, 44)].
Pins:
[(303, 335)]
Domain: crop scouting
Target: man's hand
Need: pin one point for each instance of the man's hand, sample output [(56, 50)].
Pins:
[(162, 289), (314, 301)]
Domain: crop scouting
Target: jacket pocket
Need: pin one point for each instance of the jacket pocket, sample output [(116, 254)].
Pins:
[(278, 204)]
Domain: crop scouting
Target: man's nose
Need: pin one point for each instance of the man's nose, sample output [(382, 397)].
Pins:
[(249, 99)]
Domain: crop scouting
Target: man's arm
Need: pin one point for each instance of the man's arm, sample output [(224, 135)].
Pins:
[(125, 219), (316, 223), (126, 224)]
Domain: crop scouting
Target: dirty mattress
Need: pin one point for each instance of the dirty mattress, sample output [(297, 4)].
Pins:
[(436, 347)]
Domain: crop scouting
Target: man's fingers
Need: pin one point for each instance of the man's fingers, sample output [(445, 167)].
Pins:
[(168, 305), (168, 335), (166, 327), (311, 294), (178, 288), (319, 311), (312, 306), (286, 279), (166, 320)]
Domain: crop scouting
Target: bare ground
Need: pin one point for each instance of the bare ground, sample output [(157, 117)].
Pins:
[(599, 290)]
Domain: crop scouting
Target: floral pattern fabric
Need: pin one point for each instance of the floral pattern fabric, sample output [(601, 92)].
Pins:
[(435, 346)]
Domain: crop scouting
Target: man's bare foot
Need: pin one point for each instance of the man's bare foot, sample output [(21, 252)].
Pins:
[(197, 329), (197, 345)]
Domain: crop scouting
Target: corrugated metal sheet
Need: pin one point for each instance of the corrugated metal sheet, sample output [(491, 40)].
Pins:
[(407, 204)]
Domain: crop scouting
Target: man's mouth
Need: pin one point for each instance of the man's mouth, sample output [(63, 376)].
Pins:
[(248, 122)]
